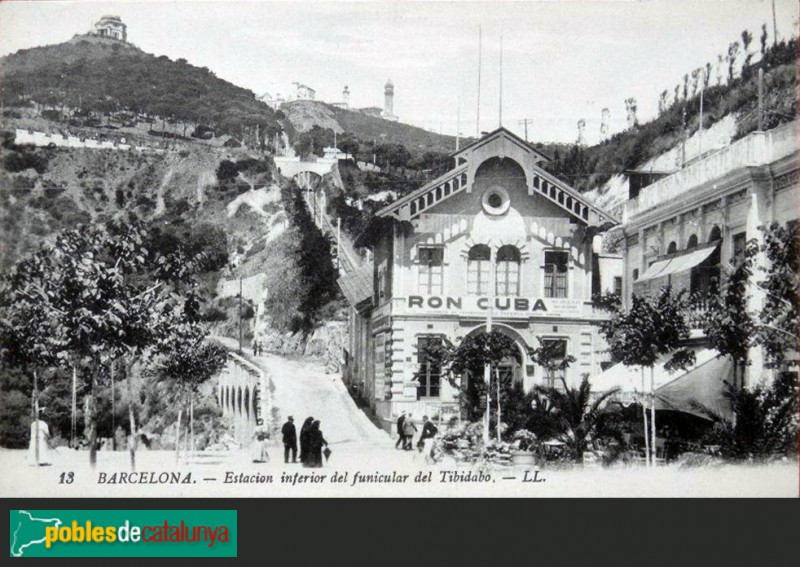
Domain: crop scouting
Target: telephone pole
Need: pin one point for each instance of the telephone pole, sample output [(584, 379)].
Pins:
[(524, 123)]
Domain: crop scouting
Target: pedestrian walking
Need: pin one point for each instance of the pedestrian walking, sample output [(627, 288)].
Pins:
[(289, 440), (44, 443), (258, 447), (401, 435), (429, 431), (304, 438), (315, 442), (255, 348), (409, 429)]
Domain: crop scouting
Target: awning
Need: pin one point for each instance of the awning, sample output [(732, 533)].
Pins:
[(357, 286), (702, 383), (677, 264)]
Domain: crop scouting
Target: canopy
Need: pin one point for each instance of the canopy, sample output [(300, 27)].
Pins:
[(677, 264), (702, 383), (357, 285)]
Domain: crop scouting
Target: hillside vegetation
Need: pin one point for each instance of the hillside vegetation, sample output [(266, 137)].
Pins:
[(92, 75), (306, 114), (586, 168)]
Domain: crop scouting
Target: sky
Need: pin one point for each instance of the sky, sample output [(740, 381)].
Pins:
[(563, 60)]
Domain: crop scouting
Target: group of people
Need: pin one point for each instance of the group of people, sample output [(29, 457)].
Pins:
[(406, 431), (258, 348), (311, 442)]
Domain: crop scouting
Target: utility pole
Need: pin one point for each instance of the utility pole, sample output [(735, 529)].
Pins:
[(458, 126), (700, 132), (500, 117), (240, 314), (774, 26), (761, 99), (478, 120), (487, 369), (524, 123)]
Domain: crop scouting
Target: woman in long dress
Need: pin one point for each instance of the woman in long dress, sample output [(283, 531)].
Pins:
[(304, 438), (44, 444), (315, 443), (258, 448)]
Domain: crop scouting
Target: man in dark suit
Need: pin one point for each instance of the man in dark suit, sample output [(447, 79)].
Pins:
[(401, 436), (289, 440), (429, 431)]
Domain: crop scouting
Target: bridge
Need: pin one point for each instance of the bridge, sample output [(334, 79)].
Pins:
[(307, 174)]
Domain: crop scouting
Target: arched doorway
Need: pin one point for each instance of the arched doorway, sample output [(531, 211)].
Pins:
[(513, 366)]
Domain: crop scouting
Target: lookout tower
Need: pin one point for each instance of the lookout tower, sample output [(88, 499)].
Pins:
[(388, 102)]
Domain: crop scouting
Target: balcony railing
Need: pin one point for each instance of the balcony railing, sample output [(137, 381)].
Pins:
[(757, 148)]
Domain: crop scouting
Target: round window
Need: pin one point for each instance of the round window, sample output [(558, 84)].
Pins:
[(495, 201)]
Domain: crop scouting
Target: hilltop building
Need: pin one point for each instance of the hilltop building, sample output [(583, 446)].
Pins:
[(304, 92), (495, 225), (110, 27), (388, 102), (273, 102)]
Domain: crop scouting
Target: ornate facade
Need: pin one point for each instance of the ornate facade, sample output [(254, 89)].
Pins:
[(496, 233)]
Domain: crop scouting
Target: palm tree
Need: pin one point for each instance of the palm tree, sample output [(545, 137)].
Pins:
[(579, 415)]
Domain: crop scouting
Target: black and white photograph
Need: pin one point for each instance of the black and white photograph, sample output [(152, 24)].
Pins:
[(399, 249)]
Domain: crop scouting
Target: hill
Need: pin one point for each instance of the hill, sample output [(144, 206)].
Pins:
[(102, 77), (672, 138), (305, 114)]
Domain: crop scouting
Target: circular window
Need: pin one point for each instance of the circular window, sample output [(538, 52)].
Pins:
[(495, 201)]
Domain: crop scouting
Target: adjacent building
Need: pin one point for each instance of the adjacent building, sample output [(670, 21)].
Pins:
[(689, 228), (497, 234)]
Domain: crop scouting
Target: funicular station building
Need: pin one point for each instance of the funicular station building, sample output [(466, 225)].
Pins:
[(496, 232)]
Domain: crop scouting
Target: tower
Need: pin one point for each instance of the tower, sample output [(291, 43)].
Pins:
[(346, 96), (388, 101)]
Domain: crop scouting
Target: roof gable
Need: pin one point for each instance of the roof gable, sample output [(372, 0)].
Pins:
[(495, 135), (500, 143)]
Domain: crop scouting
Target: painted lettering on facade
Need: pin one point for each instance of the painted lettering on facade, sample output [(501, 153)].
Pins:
[(549, 307)]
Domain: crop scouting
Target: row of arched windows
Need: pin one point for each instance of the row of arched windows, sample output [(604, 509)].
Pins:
[(692, 241), (236, 400), (507, 268)]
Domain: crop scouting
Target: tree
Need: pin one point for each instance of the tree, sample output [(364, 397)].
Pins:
[(630, 107), (747, 39), (763, 40), (733, 52), (579, 416), (103, 297), (727, 324), (464, 367), (780, 315), (662, 102), (764, 424), (654, 328), (190, 361)]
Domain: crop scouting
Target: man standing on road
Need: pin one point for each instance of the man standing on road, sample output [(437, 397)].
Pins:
[(429, 431), (289, 440), (409, 429), (401, 436)]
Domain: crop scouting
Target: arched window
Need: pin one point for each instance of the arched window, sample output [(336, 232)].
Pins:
[(508, 262), (715, 234), (478, 270), (672, 248), (692, 242), (247, 402)]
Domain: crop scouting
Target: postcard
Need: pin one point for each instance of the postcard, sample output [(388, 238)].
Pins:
[(398, 249)]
